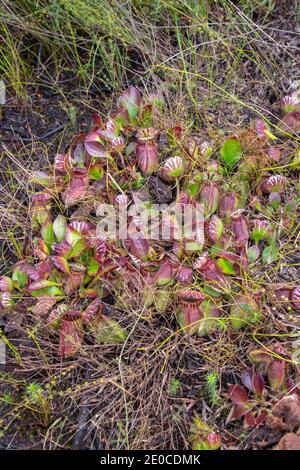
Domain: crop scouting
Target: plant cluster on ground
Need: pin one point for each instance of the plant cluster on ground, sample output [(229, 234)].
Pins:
[(149, 108)]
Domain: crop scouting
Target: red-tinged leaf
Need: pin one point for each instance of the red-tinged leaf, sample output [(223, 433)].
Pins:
[(172, 169), (25, 267), (139, 247), (6, 284), (274, 154), (273, 184), (109, 136), (72, 315), (202, 436), (237, 395), (101, 249), (89, 293), (177, 132), (235, 413), (147, 155), (131, 95), (291, 122), (62, 163), (289, 103), (73, 282), (209, 197), (78, 267), (71, 335), (6, 299), (277, 347), (165, 273), (215, 229), (228, 204), (213, 441), (261, 355), (34, 274), (239, 226), (41, 250), (41, 199), (229, 255), (98, 120), (93, 136), (62, 249), (189, 318), (72, 236), (43, 247), (261, 128), (38, 253), (258, 384), (295, 296), (211, 273), (184, 274), (94, 148), (260, 419), (118, 143), (61, 263), (247, 378), (41, 285), (291, 387), (276, 374), (77, 187), (73, 195), (43, 306), (80, 226), (92, 310), (45, 268), (121, 118), (55, 316), (249, 420)]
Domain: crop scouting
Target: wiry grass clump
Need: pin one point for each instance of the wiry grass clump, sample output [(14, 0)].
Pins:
[(139, 332), (198, 50)]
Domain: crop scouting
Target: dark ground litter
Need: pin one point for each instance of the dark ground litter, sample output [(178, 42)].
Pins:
[(34, 132)]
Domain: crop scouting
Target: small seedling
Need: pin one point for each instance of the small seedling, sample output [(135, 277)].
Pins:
[(211, 386), (37, 400), (175, 386)]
